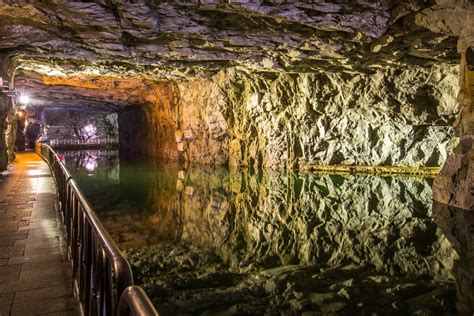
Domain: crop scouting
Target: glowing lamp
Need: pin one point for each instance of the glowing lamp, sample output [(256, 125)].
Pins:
[(20, 114), (24, 99)]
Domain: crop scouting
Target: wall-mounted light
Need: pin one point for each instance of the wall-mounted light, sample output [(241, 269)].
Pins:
[(20, 114), (24, 99)]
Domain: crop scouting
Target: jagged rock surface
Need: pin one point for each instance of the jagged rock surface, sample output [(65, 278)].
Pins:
[(455, 183), (395, 117), (178, 38), (346, 46), (70, 125)]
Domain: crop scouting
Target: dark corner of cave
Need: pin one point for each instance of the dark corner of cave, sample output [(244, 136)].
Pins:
[(237, 157)]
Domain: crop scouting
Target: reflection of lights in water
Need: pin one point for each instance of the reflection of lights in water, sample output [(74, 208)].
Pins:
[(90, 162), (20, 114), (91, 165), (114, 174)]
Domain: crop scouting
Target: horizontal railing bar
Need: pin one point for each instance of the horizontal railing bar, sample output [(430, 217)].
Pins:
[(134, 301)]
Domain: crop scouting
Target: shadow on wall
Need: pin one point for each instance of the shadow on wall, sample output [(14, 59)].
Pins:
[(145, 132), (133, 130)]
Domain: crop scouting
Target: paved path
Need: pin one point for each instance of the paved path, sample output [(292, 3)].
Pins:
[(34, 276)]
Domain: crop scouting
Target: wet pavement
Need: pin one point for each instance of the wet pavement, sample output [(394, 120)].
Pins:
[(35, 277)]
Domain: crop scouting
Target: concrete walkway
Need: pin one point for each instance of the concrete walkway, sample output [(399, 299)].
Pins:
[(35, 278)]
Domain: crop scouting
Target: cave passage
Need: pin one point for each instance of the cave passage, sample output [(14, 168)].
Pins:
[(247, 157)]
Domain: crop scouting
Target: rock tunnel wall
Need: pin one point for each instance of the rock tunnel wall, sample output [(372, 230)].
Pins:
[(70, 124), (455, 183), (8, 118), (399, 117), (7, 132)]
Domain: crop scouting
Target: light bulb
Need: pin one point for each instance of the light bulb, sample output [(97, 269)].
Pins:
[(24, 99)]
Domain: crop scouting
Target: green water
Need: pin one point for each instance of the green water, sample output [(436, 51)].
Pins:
[(204, 240)]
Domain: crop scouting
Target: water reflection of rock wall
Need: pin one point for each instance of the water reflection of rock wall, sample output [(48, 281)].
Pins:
[(143, 208), (458, 226), (270, 219), (273, 218), (213, 240)]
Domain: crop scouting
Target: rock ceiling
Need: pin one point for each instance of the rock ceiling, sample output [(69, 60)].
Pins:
[(167, 40)]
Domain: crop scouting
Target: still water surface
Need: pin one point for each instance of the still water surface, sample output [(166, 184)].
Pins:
[(206, 240)]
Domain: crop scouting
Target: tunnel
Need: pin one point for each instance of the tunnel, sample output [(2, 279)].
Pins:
[(237, 157)]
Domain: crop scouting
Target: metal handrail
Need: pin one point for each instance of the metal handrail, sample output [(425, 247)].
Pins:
[(101, 274), (77, 142), (91, 152), (134, 301)]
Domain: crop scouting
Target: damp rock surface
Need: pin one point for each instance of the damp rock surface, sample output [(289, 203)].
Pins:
[(455, 183), (257, 83), (172, 39)]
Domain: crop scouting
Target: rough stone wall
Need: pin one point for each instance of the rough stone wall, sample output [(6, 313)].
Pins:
[(69, 124), (455, 183), (281, 120), (149, 129), (7, 122), (5, 106), (394, 117), (170, 39), (10, 134)]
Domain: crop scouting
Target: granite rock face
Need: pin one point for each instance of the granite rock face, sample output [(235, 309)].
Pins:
[(7, 143), (187, 44), (79, 125), (395, 117), (455, 183), (8, 125), (178, 38)]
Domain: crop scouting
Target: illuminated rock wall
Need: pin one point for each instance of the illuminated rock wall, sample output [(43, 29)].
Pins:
[(70, 124), (455, 183), (398, 117), (8, 121)]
